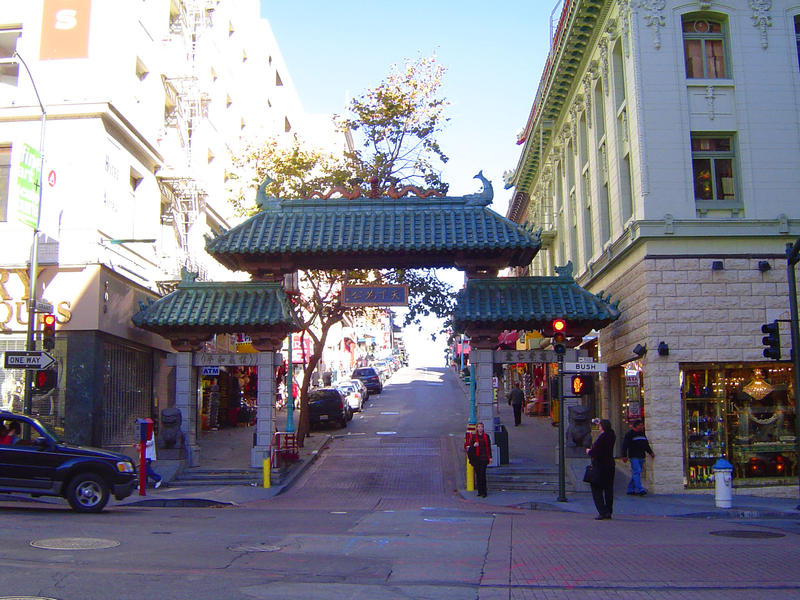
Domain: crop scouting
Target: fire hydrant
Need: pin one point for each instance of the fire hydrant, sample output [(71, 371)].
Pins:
[(723, 483)]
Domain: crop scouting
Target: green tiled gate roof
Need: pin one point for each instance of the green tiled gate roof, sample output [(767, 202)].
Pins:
[(219, 307), (375, 233), (530, 303)]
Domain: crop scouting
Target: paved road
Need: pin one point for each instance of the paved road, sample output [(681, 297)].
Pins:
[(377, 516)]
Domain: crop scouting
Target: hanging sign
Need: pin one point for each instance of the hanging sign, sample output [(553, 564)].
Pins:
[(375, 295)]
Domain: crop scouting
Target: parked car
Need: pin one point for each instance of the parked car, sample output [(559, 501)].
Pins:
[(352, 395), (38, 463), (370, 377), (361, 388), (328, 405)]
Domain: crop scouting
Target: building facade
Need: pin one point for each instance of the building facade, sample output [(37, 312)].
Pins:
[(146, 105), (661, 158)]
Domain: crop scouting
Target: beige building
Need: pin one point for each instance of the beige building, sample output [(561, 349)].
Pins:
[(146, 105), (661, 158)]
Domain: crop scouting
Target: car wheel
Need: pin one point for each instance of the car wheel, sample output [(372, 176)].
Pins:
[(343, 422), (88, 493)]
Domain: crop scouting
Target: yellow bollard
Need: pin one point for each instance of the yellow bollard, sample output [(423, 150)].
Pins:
[(470, 477), (267, 468)]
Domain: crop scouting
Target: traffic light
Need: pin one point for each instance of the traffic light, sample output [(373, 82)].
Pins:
[(45, 380), (559, 327), (771, 341), (48, 332), (582, 385)]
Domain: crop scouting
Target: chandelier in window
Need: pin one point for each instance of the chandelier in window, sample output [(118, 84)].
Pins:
[(757, 388)]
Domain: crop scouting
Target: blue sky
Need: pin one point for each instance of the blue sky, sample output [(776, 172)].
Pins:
[(493, 52)]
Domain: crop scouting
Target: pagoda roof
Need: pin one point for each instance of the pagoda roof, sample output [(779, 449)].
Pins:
[(219, 307), (531, 303), (380, 232)]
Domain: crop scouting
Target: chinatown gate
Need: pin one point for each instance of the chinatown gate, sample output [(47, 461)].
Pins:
[(383, 230)]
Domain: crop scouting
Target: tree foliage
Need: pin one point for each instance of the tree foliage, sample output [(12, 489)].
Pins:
[(397, 123)]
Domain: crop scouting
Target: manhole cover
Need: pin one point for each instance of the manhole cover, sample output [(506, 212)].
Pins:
[(74, 544), (254, 548), (747, 534)]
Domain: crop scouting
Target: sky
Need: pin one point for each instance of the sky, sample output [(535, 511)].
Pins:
[(494, 53)]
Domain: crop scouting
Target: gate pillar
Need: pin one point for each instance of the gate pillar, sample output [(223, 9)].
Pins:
[(265, 409), (187, 398), (481, 355)]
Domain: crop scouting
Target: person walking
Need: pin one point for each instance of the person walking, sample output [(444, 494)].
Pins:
[(635, 446), (602, 454), (515, 399), (149, 458), (479, 451)]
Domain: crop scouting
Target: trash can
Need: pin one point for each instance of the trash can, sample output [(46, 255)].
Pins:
[(723, 483), (501, 440)]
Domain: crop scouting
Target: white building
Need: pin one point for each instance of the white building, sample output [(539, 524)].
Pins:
[(146, 103), (661, 158)]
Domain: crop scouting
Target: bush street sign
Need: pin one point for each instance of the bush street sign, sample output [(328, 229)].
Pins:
[(585, 367)]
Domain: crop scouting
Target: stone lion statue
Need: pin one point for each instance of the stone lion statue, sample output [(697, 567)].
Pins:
[(579, 430)]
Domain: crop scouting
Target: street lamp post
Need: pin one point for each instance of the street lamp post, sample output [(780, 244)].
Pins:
[(30, 343)]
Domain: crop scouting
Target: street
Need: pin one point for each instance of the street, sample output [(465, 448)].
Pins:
[(378, 516)]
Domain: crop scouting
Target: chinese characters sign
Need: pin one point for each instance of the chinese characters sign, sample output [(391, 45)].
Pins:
[(375, 295)]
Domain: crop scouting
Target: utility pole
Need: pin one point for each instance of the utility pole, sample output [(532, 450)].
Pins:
[(792, 258), (30, 343)]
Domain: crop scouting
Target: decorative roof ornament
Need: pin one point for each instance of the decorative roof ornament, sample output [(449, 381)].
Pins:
[(485, 196), (565, 272), (264, 202), (188, 276)]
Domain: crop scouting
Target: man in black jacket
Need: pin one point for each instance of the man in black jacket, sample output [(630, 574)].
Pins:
[(634, 446), (515, 398)]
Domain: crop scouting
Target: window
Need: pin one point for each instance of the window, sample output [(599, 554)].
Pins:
[(797, 35), (618, 66), (5, 173), (704, 47), (9, 69), (712, 168)]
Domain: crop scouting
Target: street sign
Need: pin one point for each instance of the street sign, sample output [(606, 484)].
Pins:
[(31, 359), (585, 367), (43, 306)]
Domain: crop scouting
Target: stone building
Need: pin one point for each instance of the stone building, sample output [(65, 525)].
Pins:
[(661, 158)]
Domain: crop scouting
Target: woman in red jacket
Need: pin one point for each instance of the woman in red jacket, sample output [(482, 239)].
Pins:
[(479, 451)]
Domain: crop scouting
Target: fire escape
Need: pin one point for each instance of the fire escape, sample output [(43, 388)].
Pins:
[(182, 187)]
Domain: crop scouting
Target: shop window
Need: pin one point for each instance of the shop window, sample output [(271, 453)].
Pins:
[(713, 168), (745, 414), (704, 47)]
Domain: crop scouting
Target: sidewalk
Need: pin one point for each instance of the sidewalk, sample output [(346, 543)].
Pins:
[(225, 449), (534, 442)]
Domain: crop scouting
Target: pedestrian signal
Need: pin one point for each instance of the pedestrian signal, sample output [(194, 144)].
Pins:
[(582, 385), (45, 380)]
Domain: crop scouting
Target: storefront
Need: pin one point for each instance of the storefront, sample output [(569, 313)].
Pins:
[(744, 413), (107, 372)]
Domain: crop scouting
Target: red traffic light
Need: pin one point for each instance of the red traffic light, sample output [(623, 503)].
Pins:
[(559, 326), (49, 331)]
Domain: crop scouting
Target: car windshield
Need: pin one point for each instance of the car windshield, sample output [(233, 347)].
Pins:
[(364, 372)]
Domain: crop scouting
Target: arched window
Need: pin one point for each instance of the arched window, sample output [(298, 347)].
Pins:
[(704, 47)]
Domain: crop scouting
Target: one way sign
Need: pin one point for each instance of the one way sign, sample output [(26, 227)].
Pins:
[(31, 359)]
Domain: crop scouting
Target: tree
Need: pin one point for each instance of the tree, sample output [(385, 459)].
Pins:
[(397, 123)]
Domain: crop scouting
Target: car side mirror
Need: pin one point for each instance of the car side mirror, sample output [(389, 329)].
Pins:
[(42, 443)]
